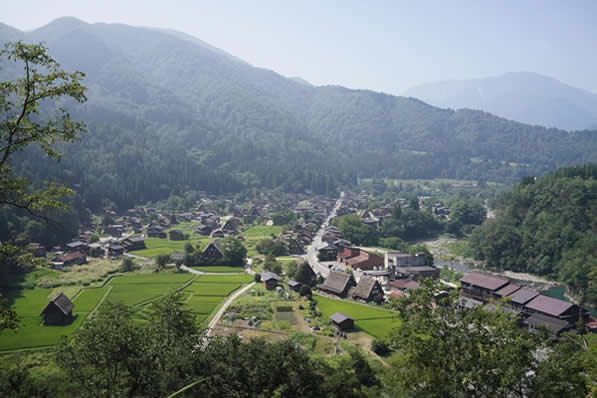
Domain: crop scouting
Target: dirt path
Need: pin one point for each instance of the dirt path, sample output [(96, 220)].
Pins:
[(222, 309)]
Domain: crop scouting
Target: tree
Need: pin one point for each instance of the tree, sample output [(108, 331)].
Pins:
[(270, 264), (257, 278), (162, 260), (414, 204), (94, 237), (356, 231), (305, 291), (22, 124), (235, 253), (305, 274), (188, 248), (292, 269), (447, 352), (128, 265), (396, 211)]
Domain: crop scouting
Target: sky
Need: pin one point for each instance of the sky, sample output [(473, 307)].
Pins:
[(386, 46)]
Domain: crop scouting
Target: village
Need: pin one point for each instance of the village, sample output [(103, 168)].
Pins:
[(297, 274)]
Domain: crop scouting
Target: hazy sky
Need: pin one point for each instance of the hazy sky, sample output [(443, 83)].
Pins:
[(386, 46)]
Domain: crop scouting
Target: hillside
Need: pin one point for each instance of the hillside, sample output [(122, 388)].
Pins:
[(547, 227), (168, 113), (525, 97)]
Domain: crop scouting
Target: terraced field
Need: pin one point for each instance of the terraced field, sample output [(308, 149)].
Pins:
[(203, 296)]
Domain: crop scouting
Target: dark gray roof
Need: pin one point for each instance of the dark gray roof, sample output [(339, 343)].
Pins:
[(266, 276), (554, 325), (293, 283), (62, 302), (336, 282), (339, 317), (136, 239), (468, 303), (75, 244)]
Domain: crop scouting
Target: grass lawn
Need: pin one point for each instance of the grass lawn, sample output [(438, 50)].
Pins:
[(375, 321), (217, 268), (202, 304), (30, 279), (132, 295)]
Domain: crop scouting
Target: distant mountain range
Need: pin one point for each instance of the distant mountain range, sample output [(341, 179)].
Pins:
[(525, 97), (168, 112)]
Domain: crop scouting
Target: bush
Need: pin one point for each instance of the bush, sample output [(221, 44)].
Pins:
[(305, 291), (257, 278), (380, 347)]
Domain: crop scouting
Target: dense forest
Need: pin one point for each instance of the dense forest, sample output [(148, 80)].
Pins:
[(547, 226), (167, 113)]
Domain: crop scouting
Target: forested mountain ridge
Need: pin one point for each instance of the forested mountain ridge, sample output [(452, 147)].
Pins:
[(523, 96), (167, 113)]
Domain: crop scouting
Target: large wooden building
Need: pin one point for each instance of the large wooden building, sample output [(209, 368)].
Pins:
[(338, 283)]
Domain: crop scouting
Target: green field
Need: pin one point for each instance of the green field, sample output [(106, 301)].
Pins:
[(240, 278), (256, 233), (87, 300), (218, 268), (142, 279), (157, 246), (135, 290), (375, 321), (212, 289)]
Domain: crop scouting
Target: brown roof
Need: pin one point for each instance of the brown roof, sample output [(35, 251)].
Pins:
[(507, 290), (484, 280), (554, 325), (363, 288), (549, 305), (358, 259), (70, 256), (399, 283), (336, 282), (412, 285), (523, 296)]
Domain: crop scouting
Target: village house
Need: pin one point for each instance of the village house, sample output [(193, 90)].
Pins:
[(395, 259), (342, 321), (77, 246), (417, 273), (70, 259), (59, 311), (176, 234), (327, 251), (338, 283), (96, 250), (156, 231), (368, 289), (270, 280), (115, 250), (481, 286), (204, 230), (218, 233), (37, 249), (134, 243), (359, 259), (213, 250), (114, 230)]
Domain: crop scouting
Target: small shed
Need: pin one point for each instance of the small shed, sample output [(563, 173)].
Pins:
[(270, 280), (342, 321), (294, 285), (59, 311), (176, 234)]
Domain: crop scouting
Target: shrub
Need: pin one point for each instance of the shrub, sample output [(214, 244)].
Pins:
[(380, 347), (257, 278), (305, 291)]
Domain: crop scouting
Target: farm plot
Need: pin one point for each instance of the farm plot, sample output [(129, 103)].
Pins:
[(241, 278), (29, 303), (219, 269), (254, 234), (374, 321), (153, 278), (212, 289)]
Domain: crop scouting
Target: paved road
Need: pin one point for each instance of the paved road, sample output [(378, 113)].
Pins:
[(222, 310), (317, 267)]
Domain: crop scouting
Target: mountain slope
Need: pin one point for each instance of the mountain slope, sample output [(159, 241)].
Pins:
[(524, 97), (167, 113)]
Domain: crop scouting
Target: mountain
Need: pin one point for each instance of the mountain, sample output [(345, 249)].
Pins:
[(525, 97), (169, 113)]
